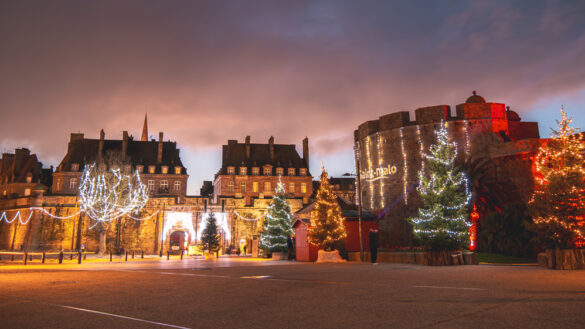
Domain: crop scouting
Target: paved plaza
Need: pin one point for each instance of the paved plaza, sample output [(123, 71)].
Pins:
[(247, 293)]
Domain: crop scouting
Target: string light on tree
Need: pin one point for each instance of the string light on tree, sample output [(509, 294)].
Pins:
[(441, 224), (326, 221), (278, 224), (558, 202)]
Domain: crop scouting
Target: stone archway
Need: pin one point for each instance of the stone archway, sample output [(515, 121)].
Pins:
[(178, 240)]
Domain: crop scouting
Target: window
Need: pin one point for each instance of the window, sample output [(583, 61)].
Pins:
[(178, 170), (255, 171), (75, 167), (26, 192), (267, 187), (164, 186), (151, 186), (303, 187), (72, 183), (151, 169), (291, 171), (243, 187), (59, 186), (291, 187), (267, 171), (29, 178), (127, 168), (303, 172), (140, 169), (255, 187), (230, 186), (231, 170), (165, 169), (177, 186), (279, 171), (243, 171)]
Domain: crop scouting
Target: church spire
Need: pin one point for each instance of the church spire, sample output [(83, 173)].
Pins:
[(145, 130)]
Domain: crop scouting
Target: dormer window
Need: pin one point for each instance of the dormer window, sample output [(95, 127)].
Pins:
[(279, 171), (291, 171), (140, 169), (75, 167), (151, 169), (303, 172), (165, 169), (255, 171), (243, 171), (29, 178), (127, 168), (231, 170), (267, 171), (178, 170)]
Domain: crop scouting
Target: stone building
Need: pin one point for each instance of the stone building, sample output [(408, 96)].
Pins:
[(249, 175), (389, 153), (343, 187), (158, 162), (20, 173)]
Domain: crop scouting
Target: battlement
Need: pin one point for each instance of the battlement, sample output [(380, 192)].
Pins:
[(475, 108)]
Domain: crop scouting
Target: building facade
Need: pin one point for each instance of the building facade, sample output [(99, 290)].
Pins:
[(20, 173), (389, 153)]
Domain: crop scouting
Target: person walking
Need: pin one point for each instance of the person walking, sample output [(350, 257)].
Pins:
[(374, 235)]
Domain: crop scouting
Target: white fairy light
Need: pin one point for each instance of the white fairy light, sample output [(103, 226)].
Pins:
[(17, 215), (105, 197)]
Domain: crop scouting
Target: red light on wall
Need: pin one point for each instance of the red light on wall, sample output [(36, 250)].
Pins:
[(474, 215)]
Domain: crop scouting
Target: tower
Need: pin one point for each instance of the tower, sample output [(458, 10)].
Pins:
[(145, 130)]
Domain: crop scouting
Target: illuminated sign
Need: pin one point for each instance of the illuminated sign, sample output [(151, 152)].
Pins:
[(372, 175)]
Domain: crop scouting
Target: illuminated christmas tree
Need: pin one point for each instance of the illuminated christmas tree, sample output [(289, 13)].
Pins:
[(558, 202), (442, 221), (326, 221), (278, 223), (210, 236)]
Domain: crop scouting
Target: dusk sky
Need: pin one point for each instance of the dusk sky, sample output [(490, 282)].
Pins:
[(209, 71)]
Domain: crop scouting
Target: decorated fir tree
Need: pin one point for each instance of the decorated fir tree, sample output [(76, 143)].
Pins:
[(441, 223), (278, 223), (326, 221), (210, 236), (558, 202)]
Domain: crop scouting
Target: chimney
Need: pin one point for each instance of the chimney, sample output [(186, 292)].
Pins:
[(271, 146), (306, 151), (160, 148), (124, 144), (101, 144), (247, 147)]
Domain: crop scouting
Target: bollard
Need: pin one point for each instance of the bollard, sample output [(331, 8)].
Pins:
[(30, 257), (142, 255), (126, 256), (84, 256), (25, 258), (12, 258), (71, 256), (182, 254), (168, 255), (110, 256), (60, 257), (132, 254), (161, 253), (43, 258), (79, 255)]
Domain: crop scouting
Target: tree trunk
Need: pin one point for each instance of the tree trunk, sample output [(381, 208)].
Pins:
[(566, 259), (102, 249), (438, 258)]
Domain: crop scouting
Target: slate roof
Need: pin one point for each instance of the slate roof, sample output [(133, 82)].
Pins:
[(285, 156), (84, 151), (15, 167)]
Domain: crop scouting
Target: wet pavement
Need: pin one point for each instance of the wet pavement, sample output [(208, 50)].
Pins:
[(251, 293)]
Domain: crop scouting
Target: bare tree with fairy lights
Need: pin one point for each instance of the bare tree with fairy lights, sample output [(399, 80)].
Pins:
[(442, 223), (107, 193), (558, 202)]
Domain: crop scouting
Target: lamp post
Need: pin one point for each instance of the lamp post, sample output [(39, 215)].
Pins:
[(359, 200)]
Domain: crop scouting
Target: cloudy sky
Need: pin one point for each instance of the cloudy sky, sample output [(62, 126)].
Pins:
[(209, 71)]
